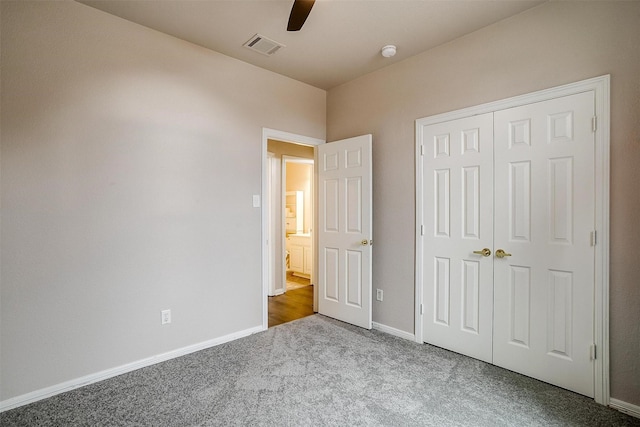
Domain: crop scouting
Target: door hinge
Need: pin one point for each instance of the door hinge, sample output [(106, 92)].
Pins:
[(594, 123), (422, 149), (420, 308), (422, 230), (594, 238), (592, 352)]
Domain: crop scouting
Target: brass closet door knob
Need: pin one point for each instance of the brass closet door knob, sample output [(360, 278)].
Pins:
[(501, 253), (485, 252)]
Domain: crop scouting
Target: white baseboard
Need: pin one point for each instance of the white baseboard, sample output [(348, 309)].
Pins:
[(393, 331), (627, 408), (46, 392)]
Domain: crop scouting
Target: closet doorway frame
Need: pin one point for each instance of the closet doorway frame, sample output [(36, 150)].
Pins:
[(601, 123), (267, 248)]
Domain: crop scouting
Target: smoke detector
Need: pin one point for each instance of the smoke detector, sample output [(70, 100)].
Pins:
[(388, 51), (263, 45)]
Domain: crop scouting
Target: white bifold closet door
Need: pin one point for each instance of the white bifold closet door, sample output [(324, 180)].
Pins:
[(520, 184)]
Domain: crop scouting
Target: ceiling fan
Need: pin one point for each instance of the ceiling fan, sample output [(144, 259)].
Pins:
[(299, 13)]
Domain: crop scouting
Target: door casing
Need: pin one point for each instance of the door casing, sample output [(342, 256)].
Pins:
[(293, 138), (601, 87)]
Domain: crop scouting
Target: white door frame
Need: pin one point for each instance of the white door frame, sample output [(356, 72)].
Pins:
[(601, 88), (271, 175), (292, 138)]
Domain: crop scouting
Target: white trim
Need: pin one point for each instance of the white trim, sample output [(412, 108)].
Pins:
[(293, 138), (393, 331), (419, 275), (53, 390), (272, 165), (600, 86), (289, 137), (627, 408), (294, 159)]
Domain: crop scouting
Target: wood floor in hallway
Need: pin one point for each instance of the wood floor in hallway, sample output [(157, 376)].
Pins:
[(293, 304)]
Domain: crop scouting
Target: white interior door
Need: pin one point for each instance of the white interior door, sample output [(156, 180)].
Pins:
[(544, 215), (345, 230), (531, 202), (458, 195)]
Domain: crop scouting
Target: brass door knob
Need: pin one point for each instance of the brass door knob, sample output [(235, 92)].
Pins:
[(501, 253), (485, 252), (364, 242)]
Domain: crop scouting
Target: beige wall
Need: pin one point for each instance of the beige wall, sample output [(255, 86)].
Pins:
[(119, 147), (554, 44)]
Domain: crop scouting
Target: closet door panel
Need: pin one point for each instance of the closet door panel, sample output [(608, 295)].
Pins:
[(544, 216), (458, 220)]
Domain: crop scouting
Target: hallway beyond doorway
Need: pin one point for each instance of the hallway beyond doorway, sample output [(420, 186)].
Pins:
[(292, 305), (295, 282)]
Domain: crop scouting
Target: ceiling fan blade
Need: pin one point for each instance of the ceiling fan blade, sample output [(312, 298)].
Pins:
[(299, 13)]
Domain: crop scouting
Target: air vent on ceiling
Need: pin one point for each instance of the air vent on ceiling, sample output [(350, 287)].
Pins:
[(263, 45)]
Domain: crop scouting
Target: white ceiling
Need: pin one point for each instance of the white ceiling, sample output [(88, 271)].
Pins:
[(340, 41)]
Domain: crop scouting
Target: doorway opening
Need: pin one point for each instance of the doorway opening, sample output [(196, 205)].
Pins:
[(298, 195), (291, 292), (288, 227)]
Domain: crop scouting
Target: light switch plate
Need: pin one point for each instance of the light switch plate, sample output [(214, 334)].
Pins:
[(166, 316)]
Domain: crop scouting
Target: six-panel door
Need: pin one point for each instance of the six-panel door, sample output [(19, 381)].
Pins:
[(345, 230), (537, 175), (458, 195), (545, 214)]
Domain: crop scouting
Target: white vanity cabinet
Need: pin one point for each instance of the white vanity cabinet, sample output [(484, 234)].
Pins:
[(300, 254)]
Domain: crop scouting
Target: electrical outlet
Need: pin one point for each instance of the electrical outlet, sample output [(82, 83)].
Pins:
[(379, 294), (166, 316)]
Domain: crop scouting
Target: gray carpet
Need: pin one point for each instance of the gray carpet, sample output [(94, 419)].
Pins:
[(314, 372)]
